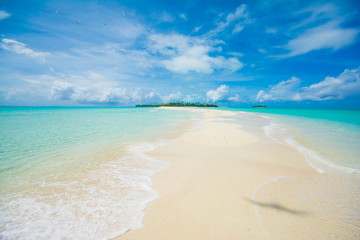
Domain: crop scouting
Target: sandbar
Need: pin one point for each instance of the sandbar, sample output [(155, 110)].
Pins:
[(211, 190)]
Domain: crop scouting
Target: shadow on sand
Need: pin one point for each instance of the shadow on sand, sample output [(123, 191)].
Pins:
[(277, 206)]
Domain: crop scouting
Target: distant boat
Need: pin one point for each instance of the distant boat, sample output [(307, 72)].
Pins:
[(259, 106)]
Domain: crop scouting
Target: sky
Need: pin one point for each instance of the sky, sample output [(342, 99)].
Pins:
[(231, 53)]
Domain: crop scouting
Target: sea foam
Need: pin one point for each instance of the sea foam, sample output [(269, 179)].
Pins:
[(79, 173), (280, 134), (107, 202)]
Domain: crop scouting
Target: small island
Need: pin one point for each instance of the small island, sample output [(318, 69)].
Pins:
[(177, 104), (259, 106)]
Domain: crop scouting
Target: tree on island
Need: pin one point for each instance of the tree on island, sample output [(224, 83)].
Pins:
[(177, 104), (259, 106)]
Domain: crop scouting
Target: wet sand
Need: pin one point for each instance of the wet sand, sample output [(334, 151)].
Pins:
[(222, 183)]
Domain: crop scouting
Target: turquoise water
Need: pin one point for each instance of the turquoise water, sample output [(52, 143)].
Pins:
[(329, 197), (337, 115), (27, 132), (331, 137), (79, 173)]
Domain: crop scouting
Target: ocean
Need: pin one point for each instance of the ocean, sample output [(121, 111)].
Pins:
[(329, 140), (79, 173), (332, 137)]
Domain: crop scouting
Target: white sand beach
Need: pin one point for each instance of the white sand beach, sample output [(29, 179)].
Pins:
[(211, 189)]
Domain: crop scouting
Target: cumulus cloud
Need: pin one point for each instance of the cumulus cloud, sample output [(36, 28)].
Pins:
[(190, 54), (192, 59), (87, 91), (192, 98), (21, 48), (235, 98), (219, 94), (284, 90), (154, 97), (89, 88), (172, 97), (62, 91), (346, 84), (331, 88), (107, 95), (82, 88), (169, 44), (4, 14)]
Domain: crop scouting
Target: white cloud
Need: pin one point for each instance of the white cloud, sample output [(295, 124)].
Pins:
[(130, 61), (21, 48), (236, 98), (321, 28), (170, 44), (346, 84), (219, 94), (82, 88), (240, 17), (261, 50), (197, 29), (4, 14), (62, 91), (107, 94), (172, 97), (183, 16), (10, 94), (165, 17), (239, 13), (156, 97), (192, 98), (271, 30), (87, 88), (237, 54), (101, 96), (329, 35), (190, 54), (152, 94), (196, 59), (317, 12), (282, 91), (238, 28)]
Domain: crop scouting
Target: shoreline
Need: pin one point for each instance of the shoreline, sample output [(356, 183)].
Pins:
[(196, 174), (211, 188)]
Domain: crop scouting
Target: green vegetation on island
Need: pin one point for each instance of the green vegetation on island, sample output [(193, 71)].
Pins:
[(259, 106), (177, 104)]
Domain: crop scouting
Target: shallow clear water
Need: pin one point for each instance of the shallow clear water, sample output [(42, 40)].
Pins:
[(79, 173), (319, 205), (330, 136)]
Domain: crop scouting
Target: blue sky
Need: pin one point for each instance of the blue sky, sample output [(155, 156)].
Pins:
[(233, 53)]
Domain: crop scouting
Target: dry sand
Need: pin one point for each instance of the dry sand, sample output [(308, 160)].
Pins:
[(210, 189)]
